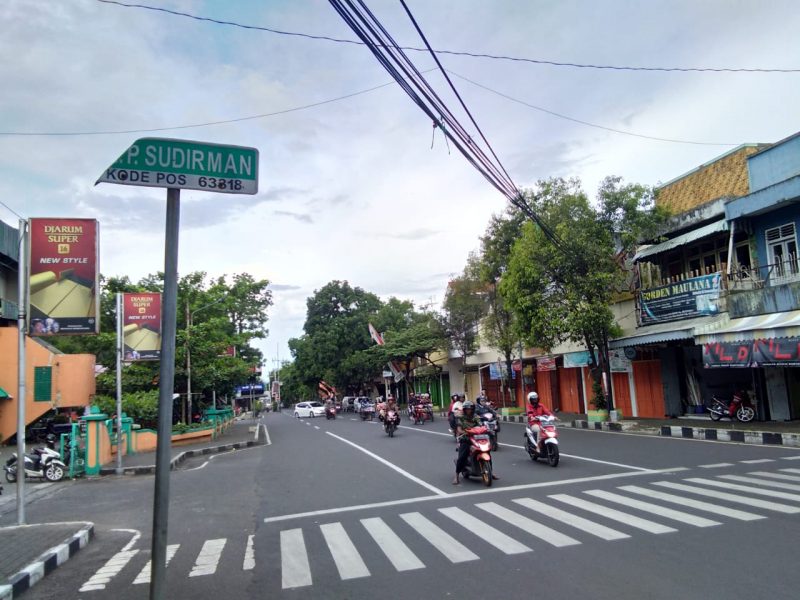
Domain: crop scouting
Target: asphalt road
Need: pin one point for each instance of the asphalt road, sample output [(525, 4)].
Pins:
[(335, 509)]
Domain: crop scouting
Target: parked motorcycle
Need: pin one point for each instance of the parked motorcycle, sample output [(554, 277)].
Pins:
[(367, 411), (390, 422), (479, 460), (739, 408), (547, 444), (330, 412), (43, 463), (489, 420)]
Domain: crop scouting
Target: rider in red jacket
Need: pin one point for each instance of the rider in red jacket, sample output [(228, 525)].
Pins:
[(535, 409)]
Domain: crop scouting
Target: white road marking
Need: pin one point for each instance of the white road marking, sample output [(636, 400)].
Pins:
[(716, 466), (316, 426), (756, 461), (775, 475), (391, 545), (766, 483), (744, 488), (614, 515), (695, 504), (791, 457), (144, 574), (348, 561), (585, 525), (481, 492), (668, 513), (136, 535), (295, 571), (774, 506), (266, 434), (505, 543), (454, 551), (406, 474), (208, 559), (114, 565), (790, 470), (563, 455), (551, 536), (249, 555)]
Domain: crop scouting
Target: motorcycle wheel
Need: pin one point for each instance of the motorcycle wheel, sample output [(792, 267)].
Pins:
[(11, 477), (495, 443), (745, 414), (54, 472), (552, 455), (531, 450), (715, 416), (486, 473), (391, 431)]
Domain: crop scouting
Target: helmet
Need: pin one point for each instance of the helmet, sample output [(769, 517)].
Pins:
[(454, 397), (533, 398), (468, 405)]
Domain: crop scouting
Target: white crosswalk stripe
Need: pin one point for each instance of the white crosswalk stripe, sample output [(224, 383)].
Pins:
[(662, 511), (791, 457), (208, 559), (115, 564), (775, 475), (716, 509), (348, 561), (773, 506), (455, 551), (791, 470), (551, 536), (249, 562), (716, 466), (614, 515), (144, 574), (765, 482), (585, 525), (756, 461), (391, 545), (496, 538), (295, 570), (744, 488)]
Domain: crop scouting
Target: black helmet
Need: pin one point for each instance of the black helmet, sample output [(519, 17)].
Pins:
[(468, 406)]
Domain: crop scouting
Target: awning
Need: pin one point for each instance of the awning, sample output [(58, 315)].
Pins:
[(682, 240), (4, 395), (758, 327), (663, 332)]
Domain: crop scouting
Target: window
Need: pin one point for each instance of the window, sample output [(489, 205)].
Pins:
[(782, 252), (42, 384)]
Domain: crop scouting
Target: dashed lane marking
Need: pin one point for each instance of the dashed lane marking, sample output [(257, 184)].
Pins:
[(716, 466), (757, 461)]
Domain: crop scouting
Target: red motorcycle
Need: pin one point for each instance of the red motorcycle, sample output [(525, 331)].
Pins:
[(547, 444), (420, 414), (739, 408), (479, 460), (390, 422), (330, 412)]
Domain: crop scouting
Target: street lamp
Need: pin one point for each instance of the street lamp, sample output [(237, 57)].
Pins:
[(189, 315)]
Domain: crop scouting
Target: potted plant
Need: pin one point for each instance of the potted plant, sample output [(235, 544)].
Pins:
[(600, 403)]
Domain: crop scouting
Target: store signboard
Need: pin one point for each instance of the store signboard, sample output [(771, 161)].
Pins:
[(576, 359), (618, 362), (141, 326), (693, 297), (778, 352), (498, 371), (546, 363)]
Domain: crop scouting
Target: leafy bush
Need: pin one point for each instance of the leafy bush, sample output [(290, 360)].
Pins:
[(142, 407)]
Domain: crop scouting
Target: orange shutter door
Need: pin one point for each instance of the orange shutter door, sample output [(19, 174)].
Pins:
[(649, 389), (568, 383), (622, 394), (544, 388)]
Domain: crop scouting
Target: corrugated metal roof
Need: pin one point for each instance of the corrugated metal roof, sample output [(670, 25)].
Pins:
[(663, 332), (682, 240), (757, 327), (9, 241)]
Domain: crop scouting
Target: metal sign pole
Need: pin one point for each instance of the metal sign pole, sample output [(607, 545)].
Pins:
[(119, 383), (158, 569), (22, 282)]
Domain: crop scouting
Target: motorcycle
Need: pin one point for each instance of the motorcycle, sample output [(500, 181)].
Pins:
[(367, 411), (330, 412), (547, 444), (43, 463), (420, 414), (739, 408), (489, 420), (479, 460), (390, 422)]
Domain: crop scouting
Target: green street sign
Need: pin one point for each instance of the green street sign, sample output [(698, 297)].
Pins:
[(184, 164)]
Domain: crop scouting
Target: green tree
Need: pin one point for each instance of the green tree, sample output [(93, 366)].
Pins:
[(562, 289)]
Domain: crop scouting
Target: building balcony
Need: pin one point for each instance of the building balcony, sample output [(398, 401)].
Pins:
[(763, 290)]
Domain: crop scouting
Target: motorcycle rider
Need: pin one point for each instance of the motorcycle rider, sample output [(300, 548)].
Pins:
[(467, 420), (391, 404), (454, 411), (381, 408), (536, 409)]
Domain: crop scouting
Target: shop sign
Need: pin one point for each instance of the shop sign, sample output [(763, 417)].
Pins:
[(516, 366), (498, 371), (727, 354), (693, 297), (141, 326), (784, 352), (546, 363), (576, 359), (618, 362)]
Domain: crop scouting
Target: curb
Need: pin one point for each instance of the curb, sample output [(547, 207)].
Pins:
[(761, 438), (46, 563), (177, 460)]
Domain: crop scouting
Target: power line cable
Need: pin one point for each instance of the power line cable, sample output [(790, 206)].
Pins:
[(535, 61)]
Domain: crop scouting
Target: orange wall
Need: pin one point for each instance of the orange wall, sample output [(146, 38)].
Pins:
[(73, 379)]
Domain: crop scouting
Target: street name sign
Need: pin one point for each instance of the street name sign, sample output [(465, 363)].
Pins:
[(188, 165)]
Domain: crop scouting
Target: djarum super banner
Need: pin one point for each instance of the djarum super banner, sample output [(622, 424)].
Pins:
[(63, 277), (141, 326)]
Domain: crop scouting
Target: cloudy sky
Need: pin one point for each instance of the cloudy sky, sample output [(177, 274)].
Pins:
[(351, 189)]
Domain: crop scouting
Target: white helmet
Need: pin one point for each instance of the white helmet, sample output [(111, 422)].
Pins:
[(533, 397)]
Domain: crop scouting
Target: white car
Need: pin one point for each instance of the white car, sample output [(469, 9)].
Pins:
[(309, 409)]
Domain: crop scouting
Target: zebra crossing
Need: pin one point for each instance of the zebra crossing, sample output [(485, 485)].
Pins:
[(411, 540)]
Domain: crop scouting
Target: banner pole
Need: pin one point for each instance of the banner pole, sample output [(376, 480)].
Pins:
[(119, 383), (22, 300), (158, 569)]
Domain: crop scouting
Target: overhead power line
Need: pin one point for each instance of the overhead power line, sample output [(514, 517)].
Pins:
[(519, 59)]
